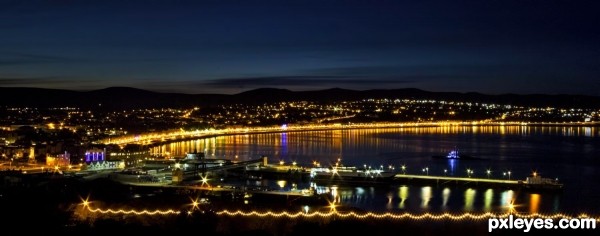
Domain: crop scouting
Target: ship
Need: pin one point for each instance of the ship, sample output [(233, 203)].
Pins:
[(351, 174), (536, 182), (455, 154)]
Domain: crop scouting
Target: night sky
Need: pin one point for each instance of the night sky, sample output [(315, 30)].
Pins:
[(221, 46)]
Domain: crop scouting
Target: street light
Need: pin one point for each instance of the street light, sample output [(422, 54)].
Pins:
[(445, 172), (489, 172), (403, 169), (509, 175), (469, 172), (427, 170)]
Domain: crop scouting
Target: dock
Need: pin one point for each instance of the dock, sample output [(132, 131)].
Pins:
[(454, 180), (531, 183)]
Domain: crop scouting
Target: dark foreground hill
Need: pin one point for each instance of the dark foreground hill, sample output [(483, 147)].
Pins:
[(126, 98)]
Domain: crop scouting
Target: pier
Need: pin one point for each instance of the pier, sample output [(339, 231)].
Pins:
[(245, 193), (534, 182), (454, 180)]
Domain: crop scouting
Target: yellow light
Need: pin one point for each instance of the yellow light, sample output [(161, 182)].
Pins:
[(332, 206), (334, 213), (511, 207)]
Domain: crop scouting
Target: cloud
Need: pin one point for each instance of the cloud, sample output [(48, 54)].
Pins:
[(299, 80), (19, 58), (58, 82)]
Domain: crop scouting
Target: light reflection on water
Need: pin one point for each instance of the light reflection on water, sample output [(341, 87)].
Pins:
[(446, 197), (403, 194), (439, 199), (469, 199), (338, 142), (489, 198), (568, 153), (534, 203), (425, 196)]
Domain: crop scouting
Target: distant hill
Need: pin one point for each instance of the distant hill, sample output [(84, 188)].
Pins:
[(127, 98)]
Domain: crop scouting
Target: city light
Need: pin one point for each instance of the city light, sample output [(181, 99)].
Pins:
[(332, 206), (195, 204), (183, 134), (204, 179)]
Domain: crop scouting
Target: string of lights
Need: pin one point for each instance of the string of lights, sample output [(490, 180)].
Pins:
[(130, 212), (388, 215), (87, 206), (335, 214)]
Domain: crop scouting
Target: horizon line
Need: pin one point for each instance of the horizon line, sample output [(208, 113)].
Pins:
[(291, 90)]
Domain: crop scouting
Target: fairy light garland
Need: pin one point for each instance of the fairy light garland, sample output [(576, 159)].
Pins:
[(335, 214)]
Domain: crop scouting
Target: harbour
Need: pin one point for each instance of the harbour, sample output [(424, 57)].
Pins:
[(506, 152)]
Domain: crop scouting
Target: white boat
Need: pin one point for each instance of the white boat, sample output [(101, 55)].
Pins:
[(536, 182), (454, 154)]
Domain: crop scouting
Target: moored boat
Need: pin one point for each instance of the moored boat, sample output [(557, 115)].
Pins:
[(454, 154), (536, 182)]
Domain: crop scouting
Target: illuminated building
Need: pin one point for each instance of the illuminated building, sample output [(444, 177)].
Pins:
[(130, 154), (60, 160), (95, 155)]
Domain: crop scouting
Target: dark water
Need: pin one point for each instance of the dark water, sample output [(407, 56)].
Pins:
[(571, 154)]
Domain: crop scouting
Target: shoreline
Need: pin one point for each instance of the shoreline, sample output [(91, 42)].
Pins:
[(192, 135)]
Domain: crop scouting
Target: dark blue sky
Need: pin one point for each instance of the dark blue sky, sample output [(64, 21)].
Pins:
[(221, 46)]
